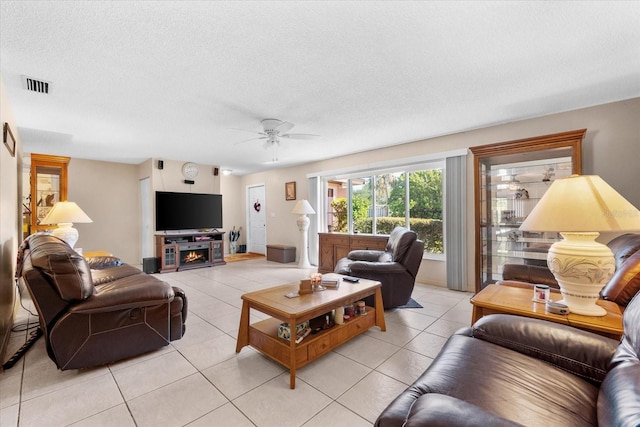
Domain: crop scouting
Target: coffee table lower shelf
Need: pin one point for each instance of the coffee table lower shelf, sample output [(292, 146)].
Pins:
[(263, 336)]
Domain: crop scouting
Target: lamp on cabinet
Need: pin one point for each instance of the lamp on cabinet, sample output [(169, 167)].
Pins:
[(64, 214), (579, 207)]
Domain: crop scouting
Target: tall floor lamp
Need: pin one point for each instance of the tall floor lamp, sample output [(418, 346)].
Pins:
[(579, 207), (65, 214), (302, 209)]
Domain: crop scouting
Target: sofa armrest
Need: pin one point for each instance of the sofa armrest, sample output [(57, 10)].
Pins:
[(439, 410), (582, 353), (368, 255), (376, 267), (115, 298)]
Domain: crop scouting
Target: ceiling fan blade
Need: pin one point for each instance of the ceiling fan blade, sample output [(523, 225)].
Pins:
[(284, 127), (250, 131), (250, 139), (300, 136)]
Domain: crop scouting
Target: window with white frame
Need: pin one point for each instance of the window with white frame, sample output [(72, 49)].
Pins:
[(377, 201)]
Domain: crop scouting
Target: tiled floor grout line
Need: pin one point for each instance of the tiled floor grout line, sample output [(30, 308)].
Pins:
[(195, 282)]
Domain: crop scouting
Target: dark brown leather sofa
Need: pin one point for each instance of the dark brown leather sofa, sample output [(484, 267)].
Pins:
[(396, 267), (509, 370), (96, 311), (624, 284)]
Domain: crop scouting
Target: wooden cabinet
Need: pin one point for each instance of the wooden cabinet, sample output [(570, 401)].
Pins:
[(48, 186), (334, 246), (510, 178), (185, 251)]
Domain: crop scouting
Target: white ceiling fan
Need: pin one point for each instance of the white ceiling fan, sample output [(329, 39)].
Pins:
[(273, 130)]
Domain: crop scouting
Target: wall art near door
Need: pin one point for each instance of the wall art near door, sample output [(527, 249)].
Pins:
[(290, 190)]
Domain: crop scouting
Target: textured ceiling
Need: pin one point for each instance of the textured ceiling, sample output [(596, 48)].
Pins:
[(140, 79)]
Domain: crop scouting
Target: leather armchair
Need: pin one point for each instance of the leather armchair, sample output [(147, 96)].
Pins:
[(510, 370), (94, 312), (396, 267), (624, 284)]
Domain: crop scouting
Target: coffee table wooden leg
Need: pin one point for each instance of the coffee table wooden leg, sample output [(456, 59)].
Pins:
[(243, 329), (380, 310), (292, 353)]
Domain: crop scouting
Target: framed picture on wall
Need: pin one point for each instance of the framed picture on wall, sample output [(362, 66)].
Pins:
[(290, 190), (10, 142)]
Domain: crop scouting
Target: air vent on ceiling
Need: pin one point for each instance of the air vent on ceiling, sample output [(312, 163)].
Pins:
[(35, 85)]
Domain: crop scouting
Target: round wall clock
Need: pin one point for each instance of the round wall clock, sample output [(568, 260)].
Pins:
[(190, 170)]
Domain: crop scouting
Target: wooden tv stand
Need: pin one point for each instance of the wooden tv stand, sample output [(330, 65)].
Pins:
[(183, 251)]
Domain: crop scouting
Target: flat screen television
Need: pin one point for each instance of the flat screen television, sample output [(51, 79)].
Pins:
[(187, 211)]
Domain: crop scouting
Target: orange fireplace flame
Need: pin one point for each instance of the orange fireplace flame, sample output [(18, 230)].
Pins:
[(193, 257)]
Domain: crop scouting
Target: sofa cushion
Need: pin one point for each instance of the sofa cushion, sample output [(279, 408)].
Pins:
[(624, 246), (129, 292), (507, 384), (439, 410), (400, 240), (64, 268), (578, 352), (619, 397), (111, 274), (625, 282), (101, 262)]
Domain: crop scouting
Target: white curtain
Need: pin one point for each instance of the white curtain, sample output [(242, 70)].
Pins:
[(455, 232)]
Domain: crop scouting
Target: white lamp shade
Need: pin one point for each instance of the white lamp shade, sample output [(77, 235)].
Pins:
[(303, 208), (582, 203), (65, 212)]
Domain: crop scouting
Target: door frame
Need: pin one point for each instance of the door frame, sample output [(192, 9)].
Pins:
[(263, 210)]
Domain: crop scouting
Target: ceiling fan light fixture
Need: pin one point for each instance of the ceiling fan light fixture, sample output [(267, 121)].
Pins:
[(273, 130)]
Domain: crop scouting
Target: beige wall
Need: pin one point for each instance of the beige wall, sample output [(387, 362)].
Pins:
[(10, 218), (170, 178), (611, 149), (282, 228), (233, 207), (109, 192)]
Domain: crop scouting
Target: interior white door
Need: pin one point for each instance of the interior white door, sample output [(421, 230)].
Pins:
[(257, 236)]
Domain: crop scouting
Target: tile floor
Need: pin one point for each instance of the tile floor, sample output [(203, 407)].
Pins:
[(201, 381)]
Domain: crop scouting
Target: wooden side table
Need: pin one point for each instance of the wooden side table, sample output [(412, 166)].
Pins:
[(501, 299)]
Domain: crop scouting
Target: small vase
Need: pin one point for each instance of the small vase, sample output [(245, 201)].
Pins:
[(233, 247)]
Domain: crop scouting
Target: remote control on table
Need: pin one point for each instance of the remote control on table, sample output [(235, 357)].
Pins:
[(351, 279)]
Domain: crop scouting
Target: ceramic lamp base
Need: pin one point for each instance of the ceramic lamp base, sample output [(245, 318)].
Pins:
[(582, 267), (303, 227), (66, 232)]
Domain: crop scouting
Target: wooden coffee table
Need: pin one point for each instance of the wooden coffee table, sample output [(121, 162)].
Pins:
[(263, 335), (511, 300)]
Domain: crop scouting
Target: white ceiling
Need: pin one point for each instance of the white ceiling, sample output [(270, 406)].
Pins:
[(141, 79)]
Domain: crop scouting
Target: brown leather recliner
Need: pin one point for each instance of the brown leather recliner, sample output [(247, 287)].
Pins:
[(624, 284), (510, 370), (396, 267), (96, 316)]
